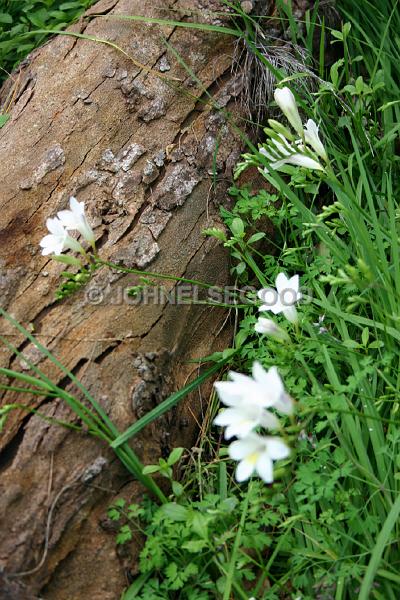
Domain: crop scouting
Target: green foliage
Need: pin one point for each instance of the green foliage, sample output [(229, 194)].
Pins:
[(73, 283), (190, 542), (18, 18), (331, 528), (341, 235)]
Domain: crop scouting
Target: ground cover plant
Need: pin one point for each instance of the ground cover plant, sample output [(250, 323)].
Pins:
[(18, 18), (312, 392)]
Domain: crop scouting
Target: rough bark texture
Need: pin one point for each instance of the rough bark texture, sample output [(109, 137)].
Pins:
[(138, 150)]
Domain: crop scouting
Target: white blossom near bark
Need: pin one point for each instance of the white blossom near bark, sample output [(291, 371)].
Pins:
[(58, 239), (287, 103), (311, 136), (256, 454), (242, 420), (283, 298), (279, 154), (75, 218), (264, 389), (270, 328)]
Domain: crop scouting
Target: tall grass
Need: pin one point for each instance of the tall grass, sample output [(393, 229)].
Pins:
[(342, 506), (334, 516)]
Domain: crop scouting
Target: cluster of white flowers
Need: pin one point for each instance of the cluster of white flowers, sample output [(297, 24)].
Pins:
[(249, 400), (283, 147), (59, 239)]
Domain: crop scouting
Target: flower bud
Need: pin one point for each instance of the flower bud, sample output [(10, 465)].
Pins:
[(287, 103), (269, 327)]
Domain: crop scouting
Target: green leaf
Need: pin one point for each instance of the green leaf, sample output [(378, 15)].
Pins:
[(5, 18), (175, 456), (113, 514), (174, 511), (215, 232), (149, 469), (376, 344), (346, 29), (177, 488), (229, 504), (132, 591), (194, 546), (124, 535), (120, 502), (3, 120), (381, 543), (241, 337), (352, 344), (237, 227), (334, 72), (337, 34), (365, 336), (240, 268), (256, 237)]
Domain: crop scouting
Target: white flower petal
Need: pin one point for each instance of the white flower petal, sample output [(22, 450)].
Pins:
[(239, 430), (270, 380), (311, 134), (267, 155), (290, 313), (293, 284), (239, 378), (55, 226), (277, 308), (281, 282), (67, 218), (228, 393), (269, 420), (244, 470), (300, 160), (284, 404), (267, 326), (276, 448), (51, 244), (245, 446), (76, 207), (75, 218), (264, 468)]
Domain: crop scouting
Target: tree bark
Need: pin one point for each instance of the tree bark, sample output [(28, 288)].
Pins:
[(139, 150)]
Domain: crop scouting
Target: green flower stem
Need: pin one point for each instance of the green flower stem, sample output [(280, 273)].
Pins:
[(156, 275)]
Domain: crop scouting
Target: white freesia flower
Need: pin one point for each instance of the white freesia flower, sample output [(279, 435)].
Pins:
[(75, 218), (301, 160), (269, 327), (264, 390), (256, 453), (280, 155), (58, 239), (242, 420), (287, 103), (283, 299), (312, 138)]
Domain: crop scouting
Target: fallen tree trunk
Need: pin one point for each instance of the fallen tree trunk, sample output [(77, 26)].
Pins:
[(139, 150)]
